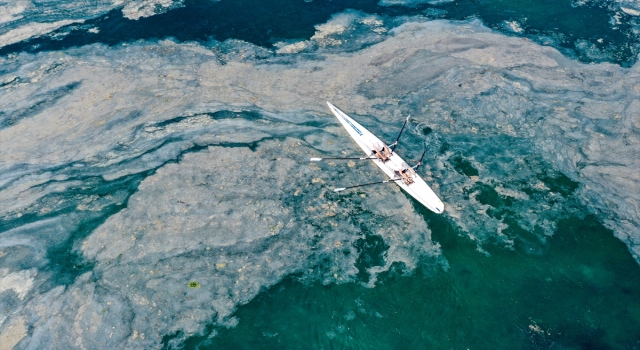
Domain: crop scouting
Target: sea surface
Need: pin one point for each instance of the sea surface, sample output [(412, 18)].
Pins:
[(156, 190)]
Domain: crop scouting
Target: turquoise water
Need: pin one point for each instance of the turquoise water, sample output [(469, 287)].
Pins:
[(578, 290)]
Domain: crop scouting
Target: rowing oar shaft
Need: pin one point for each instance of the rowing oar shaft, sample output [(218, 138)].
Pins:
[(420, 161), (371, 183), (319, 159), (400, 134)]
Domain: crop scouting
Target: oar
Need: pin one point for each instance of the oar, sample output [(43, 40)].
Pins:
[(398, 139), (319, 159), (371, 183), (420, 161)]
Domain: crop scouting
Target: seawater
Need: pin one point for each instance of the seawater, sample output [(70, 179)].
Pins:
[(577, 292), (156, 189), (591, 31)]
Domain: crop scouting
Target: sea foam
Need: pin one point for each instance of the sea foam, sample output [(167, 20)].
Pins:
[(168, 163)]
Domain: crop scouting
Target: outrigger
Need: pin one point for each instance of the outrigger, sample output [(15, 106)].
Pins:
[(386, 159)]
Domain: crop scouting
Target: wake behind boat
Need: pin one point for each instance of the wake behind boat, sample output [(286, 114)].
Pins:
[(386, 159)]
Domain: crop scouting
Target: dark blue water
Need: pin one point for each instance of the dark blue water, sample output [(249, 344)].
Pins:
[(575, 30)]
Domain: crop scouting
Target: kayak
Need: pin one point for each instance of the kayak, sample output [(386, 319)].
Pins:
[(391, 164)]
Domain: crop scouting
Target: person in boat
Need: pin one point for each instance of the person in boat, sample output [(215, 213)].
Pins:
[(381, 151), (406, 173)]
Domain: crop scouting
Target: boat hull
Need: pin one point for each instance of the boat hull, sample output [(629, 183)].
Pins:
[(366, 140)]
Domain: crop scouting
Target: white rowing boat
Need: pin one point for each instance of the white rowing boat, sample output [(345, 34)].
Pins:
[(395, 167)]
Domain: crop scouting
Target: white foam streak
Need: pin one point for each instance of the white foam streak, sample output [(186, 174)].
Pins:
[(53, 15), (32, 30), (629, 11), (137, 9), (10, 12), (19, 282)]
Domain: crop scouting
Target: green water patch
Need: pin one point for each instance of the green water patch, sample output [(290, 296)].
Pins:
[(463, 166), (580, 291), (487, 195), (371, 250), (194, 284), (444, 147), (558, 182)]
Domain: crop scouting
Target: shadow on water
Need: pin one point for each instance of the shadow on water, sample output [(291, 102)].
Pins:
[(581, 292), (555, 23)]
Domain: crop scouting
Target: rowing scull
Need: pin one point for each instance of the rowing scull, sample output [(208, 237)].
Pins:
[(391, 164)]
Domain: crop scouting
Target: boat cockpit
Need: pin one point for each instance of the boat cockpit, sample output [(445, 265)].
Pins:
[(381, 151)]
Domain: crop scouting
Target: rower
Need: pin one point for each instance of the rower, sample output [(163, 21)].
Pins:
[(381, 151), (406, 173)]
